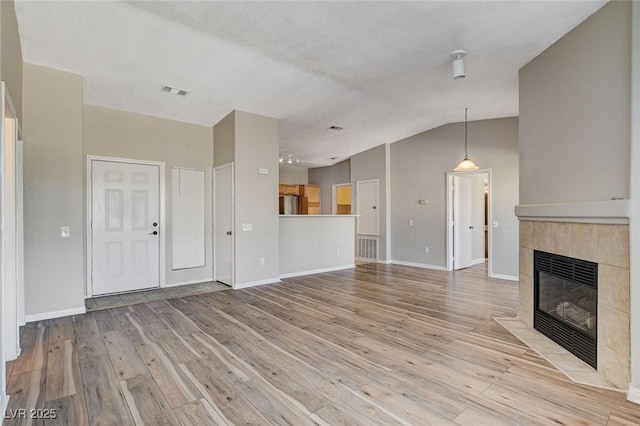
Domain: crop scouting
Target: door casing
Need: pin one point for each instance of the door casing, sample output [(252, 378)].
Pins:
[(88, 215), (449, 216)]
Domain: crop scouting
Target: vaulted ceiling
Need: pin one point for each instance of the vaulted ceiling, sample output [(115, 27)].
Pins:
[(380, 70)]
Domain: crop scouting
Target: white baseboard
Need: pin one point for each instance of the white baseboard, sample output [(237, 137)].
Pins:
[(505, 277), (255, 283), (478, 261), (633, 394), (418, 265), (317, 271), (56, 314), (204, 280)]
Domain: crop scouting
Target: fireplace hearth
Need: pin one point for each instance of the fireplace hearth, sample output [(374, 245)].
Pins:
[(566, 303)]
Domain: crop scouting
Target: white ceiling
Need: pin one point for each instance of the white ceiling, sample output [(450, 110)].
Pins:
[(381, 70)]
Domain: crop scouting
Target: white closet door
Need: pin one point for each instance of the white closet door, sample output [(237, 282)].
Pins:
[(188, 218)]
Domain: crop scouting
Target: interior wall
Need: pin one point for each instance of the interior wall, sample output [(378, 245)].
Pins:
[(120, 134), (418, 168), (224, 140), (294, 175), (256, 198), (371, 164), (326, 177), (53, 190), (575, 113), (11, 53)]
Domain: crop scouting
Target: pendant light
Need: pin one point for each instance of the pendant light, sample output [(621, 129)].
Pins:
[(465, 165)]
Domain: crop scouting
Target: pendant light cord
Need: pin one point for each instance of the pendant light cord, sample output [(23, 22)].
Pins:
[(465, 134)]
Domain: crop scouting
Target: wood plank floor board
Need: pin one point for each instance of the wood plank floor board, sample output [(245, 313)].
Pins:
[(63, 370), (69, 410), (103, 394), (61, 329), (146, 402), (34, 344), (199, 413), (374, 345), (27, 391), (88, 338), (176, 387), (222, 395), (124, 358)]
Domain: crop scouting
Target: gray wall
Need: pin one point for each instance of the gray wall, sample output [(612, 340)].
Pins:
[(257, 141), (11, 53), (294, 175), (53, 190), (326, 177), (418, 168), (224, 139), (575, 113), (114, 133), (371, 164)]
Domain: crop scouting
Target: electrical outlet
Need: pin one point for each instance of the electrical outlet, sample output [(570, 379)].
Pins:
[(262, 261), (426, 250), (410, 222)]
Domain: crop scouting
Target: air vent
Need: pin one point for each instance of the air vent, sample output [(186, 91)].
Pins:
[(336, 128), (174, 91)]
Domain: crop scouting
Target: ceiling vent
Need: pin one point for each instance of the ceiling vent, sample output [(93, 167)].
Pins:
[(336, 128), (174, 91), (333, 158)]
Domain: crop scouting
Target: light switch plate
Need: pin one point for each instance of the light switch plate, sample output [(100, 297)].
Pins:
[(65, 231), (263, 171), (247, 226)]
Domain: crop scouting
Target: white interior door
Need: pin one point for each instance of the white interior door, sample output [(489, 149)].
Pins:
[(462, 222), (368, 208), (125, 226), (223, 223)]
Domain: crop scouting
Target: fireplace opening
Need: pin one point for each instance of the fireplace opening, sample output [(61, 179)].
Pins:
[(566, 301)]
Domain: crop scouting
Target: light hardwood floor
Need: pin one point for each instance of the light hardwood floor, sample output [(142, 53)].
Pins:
[(373, 345)]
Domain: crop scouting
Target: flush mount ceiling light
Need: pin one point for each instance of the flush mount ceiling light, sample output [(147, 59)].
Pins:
[(465, 165), (458, 64), (289, 159), (174, 91)]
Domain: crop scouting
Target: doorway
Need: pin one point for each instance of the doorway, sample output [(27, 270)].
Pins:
[(125, 225), (12, 232), (341, 198), (468, 218), (223, 208)]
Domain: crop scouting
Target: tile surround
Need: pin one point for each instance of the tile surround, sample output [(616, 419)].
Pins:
[(607, 245)]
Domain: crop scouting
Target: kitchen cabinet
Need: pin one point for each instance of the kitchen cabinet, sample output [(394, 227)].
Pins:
[(309, 199), (285, 189)]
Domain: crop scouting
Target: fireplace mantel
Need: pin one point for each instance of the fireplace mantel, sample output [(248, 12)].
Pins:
[(613, 212)]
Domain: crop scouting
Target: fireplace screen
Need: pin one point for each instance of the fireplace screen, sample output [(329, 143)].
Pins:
[(566, 303)]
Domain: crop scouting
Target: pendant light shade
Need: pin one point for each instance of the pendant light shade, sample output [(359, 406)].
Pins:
[(465, 165)]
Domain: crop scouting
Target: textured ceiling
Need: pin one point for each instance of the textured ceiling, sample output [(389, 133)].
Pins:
[(381, 70)]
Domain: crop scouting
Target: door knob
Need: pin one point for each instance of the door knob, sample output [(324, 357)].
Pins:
[(153, 233), (471, 227), (155, 224), (228, 232)]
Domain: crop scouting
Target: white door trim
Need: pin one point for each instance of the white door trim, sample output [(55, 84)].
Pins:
[(358, 182), (88, 215), (449, 216), (233, 228), (334, 195), (10, 239)]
